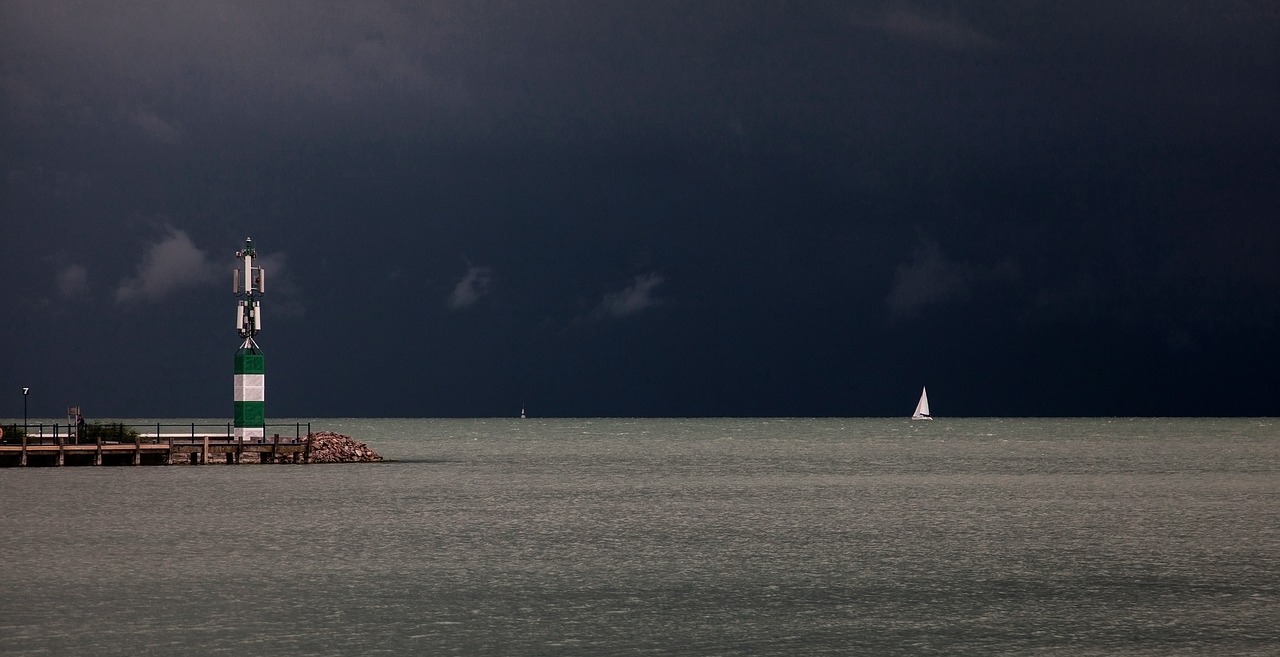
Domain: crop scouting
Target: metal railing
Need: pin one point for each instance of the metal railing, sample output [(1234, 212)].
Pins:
[(172, 434)]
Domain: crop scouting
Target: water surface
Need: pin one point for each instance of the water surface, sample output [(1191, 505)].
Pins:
[(697, 537)]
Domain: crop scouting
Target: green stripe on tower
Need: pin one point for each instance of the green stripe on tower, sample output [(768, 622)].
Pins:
[(250, 397), (249, 414), (249, 361)]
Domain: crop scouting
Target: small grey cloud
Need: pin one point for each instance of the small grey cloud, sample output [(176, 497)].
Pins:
[(172, 264), (913, 24), (1180, 340), (929, 279), (73, 281), (155, 127), (634, 298), (282, 297), (474, 284)]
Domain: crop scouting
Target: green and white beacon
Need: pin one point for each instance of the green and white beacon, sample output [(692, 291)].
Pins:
[(250, 379)]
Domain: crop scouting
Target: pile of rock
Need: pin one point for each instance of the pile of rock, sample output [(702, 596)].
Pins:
[(330, 447)]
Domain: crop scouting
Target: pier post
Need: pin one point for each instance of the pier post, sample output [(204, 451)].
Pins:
[(97, 452), (22, 461), (204, 455), (58, 437), (191, 441)]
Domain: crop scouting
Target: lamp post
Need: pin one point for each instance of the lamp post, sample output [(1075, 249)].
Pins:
[(24, 410)]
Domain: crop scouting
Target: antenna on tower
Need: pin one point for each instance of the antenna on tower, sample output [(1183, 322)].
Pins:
[(248, 280)]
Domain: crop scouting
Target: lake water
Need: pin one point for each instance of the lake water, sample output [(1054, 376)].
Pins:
[(692, 537)]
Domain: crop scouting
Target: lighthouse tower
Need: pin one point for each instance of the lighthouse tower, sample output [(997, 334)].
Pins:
[(250, 378)]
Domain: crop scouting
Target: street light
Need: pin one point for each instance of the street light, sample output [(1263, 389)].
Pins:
[(24, 410)]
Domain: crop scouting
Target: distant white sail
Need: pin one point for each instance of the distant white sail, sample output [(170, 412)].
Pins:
[(922, 408)]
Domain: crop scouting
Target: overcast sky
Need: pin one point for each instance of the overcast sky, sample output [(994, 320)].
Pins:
[(644, 208)]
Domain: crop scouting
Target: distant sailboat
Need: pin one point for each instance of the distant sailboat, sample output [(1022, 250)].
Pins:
[(521, 412), (922, 408)]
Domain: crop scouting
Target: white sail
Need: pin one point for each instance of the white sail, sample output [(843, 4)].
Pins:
[(922, 408)]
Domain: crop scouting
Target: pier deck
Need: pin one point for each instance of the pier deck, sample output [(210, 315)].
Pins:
[(155, 448)]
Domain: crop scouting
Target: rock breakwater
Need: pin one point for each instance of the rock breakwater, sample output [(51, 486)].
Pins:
[(330, 447)]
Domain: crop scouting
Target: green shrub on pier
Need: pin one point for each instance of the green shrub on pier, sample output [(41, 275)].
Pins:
[(12, 433), (108, 432)]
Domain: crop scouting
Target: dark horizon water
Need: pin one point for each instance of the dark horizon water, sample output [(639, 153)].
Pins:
[(979, 536)]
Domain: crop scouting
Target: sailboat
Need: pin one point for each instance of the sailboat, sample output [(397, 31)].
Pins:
[(521, 412), (922, 407)]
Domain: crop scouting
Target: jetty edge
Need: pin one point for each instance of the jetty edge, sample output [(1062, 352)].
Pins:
[(321, 447), (19, 449)]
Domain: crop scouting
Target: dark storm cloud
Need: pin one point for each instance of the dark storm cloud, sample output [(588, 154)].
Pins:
[(326, 46), (778, 202)]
